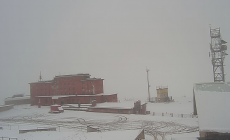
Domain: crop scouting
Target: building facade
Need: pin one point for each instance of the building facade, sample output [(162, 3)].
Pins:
[(69, 89)]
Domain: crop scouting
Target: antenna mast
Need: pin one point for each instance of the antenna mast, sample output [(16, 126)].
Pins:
[(218, 48), (147, 70), (40, 77)]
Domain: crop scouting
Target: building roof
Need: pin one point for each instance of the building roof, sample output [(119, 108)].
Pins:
[(16, 98), (104, 94), (49, 81), (91, 79), (213, 86), (62, 96), (71, 75), (212, 102), (55, 96)]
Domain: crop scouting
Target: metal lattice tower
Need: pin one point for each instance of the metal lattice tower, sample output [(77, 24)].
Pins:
[(218, 52)]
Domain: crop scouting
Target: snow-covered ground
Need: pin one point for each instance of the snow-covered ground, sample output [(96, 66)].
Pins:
[(72, 124)]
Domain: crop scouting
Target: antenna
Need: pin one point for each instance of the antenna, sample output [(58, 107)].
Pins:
[(40, 77), (147, 70), (218, 51)]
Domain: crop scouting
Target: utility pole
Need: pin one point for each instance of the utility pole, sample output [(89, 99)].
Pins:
[(147, 70)]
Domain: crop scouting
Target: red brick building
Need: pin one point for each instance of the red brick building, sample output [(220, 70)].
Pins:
[(69, 89)]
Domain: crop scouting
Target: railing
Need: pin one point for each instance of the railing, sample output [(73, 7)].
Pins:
[(8, 138), (174, 115)]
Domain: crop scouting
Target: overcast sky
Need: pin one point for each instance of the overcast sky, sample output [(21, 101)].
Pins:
[(113, 40)]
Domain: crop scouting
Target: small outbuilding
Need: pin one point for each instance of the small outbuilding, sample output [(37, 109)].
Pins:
[(118, 107), (56, 109)]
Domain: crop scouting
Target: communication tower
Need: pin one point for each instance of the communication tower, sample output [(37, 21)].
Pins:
[(218, 51)]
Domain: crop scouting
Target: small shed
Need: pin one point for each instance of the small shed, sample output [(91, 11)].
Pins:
[(56, 109)]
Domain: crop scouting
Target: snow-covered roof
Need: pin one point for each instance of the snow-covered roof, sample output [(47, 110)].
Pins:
[(17, 98), (62, 96), (115, 105), (212, 102), (91, 79), (71, 75), (56, 105), (55, 96), (95, 94), (213, 86), (49, 81)]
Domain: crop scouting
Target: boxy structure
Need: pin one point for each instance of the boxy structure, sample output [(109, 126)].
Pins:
[(211, 102), (56, 109), (162, 94), (17, 100), (120, 108), (69, 89), (6, 107)]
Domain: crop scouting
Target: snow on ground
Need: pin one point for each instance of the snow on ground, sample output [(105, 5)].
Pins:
[(181, 105), (72, 124)]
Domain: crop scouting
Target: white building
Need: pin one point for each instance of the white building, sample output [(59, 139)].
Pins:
[(211, 104)]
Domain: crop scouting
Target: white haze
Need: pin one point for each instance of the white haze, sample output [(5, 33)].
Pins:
[(113, 40)]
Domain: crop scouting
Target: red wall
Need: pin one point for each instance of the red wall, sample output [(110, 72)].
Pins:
[(67, 85), (75, 99)]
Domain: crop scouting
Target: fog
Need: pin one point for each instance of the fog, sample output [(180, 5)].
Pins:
[(113, 40)]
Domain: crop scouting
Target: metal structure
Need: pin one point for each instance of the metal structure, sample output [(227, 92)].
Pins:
[(218, 52), (40, 77), (147, 70)]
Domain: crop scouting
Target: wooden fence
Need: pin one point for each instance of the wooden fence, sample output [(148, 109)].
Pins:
[(7, 138), (174, 115)]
